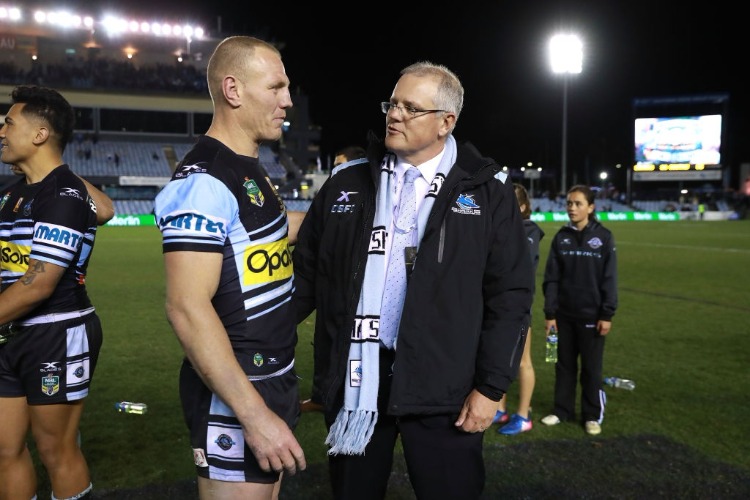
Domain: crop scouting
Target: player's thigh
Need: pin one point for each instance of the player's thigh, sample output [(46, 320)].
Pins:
[(54, 424), (15, 425), (211, 489)]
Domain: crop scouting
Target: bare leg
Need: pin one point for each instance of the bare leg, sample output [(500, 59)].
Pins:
[(526, 379), (17, 474), (55, 430), (209, 489)]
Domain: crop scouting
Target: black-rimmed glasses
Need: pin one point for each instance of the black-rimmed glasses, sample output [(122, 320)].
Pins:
[(408, 111)]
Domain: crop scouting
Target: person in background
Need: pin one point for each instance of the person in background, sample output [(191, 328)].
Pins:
[(50, 333), (520, 421), (433, 374), (343, 155), (229, 282), (580, 299)]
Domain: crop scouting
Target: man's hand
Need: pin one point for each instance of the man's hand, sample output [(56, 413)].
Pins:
[(273, 443), (477, 413)]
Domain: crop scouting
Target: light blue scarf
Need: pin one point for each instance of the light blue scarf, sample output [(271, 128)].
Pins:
[(355, 422)]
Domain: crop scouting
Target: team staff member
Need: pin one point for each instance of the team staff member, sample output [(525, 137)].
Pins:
[(580, 298), (51, 335), (230, 282), (464, 321)]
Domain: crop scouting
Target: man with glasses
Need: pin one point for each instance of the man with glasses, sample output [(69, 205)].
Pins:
[(431, 363)]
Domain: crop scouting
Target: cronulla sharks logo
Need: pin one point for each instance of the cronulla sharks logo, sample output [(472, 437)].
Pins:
[(466, 205)]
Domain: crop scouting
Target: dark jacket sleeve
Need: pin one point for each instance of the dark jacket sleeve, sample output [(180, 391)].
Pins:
[(507, 295), (305, 257), (551, 283)]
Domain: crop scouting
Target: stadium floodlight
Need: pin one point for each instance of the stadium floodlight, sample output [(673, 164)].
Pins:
[(566, 56)]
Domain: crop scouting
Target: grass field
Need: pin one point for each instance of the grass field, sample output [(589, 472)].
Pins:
[(682, 332)]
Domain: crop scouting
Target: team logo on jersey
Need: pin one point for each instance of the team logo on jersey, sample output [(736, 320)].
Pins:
[(5, 199), (267, 263), (258, 359), (595, 242), (50, 385), (466, 205), (27, 208), (355, 372), (224, 442), (71, 192), (254, 192)]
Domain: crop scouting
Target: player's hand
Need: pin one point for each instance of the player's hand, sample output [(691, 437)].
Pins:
[(273, 444)]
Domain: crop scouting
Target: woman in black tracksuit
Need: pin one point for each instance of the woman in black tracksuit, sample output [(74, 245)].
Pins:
[(580, 298)]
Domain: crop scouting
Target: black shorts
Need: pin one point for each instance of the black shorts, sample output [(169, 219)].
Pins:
[(219, 449), (51, 363)]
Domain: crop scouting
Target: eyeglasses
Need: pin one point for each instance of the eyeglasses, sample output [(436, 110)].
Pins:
[(408, 111)]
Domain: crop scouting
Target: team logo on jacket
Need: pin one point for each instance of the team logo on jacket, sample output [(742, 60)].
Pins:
[(50, 385), (466, 205), (254, 192), (595, 242)]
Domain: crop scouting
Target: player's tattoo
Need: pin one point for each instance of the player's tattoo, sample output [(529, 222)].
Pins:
[(31, 272)]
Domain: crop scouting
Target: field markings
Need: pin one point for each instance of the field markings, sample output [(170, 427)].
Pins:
[(684, 299)]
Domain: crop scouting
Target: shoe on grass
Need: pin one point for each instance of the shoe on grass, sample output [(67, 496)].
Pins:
[(517, 425), (500, 417), (593, 428), (551, 419)]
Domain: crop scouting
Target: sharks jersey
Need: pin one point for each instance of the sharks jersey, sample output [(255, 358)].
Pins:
[(218, 201), (52, 221)]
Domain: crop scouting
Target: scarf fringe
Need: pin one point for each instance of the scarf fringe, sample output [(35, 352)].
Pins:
[(351, 432)]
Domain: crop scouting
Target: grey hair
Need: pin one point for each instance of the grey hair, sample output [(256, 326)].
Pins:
[(450, 93)]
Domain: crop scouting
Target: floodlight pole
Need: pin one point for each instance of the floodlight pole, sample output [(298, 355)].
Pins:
[(564, 159)]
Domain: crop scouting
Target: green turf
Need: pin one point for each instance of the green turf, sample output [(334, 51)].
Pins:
[(682, 332)]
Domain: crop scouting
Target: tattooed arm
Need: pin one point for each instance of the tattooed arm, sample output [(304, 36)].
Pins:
[(33, 288)]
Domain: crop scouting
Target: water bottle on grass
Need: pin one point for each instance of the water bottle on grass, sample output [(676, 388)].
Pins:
[(620, 383)]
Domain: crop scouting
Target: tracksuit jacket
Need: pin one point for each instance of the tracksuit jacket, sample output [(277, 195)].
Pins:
[(580, 278), (468, 297)]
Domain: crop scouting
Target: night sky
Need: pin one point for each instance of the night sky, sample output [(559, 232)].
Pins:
[(348, 61)]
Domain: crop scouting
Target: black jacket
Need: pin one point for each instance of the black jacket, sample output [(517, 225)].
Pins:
[(580, 279), (469, 294)]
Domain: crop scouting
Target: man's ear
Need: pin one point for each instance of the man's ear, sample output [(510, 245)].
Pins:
[(41, 136), (230, 86)]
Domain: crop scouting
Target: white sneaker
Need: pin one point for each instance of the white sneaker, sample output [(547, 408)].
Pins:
[(551, 420), (593, 428)]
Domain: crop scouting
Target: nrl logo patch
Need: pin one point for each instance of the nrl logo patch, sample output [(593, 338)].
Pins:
[(258, 359), (253, 192), (50, 385)]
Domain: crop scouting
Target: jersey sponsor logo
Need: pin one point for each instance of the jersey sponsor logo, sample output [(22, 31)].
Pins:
[(59, 235), (266, 263), (50, 367), (254, 192), (595, 242), (192, 222), (186, 170), (15, 257), (50, 385), (466, 205), (72, 192)]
